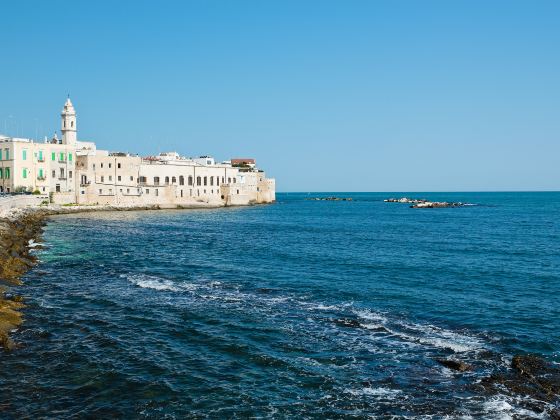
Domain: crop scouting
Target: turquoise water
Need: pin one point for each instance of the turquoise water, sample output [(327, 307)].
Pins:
[(301, 308)]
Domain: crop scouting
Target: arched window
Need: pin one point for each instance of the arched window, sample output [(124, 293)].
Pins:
[(229, 180), (205, 180), (173, 180), (166, 180), (64, 123), (190, 180), (211, 180), (181, 182), (198, 180), (156, 180), (72, 124)]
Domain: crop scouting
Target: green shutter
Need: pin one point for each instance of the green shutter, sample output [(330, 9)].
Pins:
[(0, 154), (61, 156), (40, 155), (7, 173), (40, 173), (8, 154), (24, 173), (24, 154), (70, 157), (53, 156), (1, 173)]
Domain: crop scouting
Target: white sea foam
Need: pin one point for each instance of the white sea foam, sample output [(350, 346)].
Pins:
[(146, 281), (380, 392)]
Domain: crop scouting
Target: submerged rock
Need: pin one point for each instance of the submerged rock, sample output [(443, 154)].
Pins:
[(455, 365)]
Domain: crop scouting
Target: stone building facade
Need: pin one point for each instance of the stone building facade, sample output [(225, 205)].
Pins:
[(73, 171)]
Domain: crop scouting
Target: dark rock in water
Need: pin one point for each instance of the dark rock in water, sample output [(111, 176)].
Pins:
[(531, 376), (455, 365), (347, 322)]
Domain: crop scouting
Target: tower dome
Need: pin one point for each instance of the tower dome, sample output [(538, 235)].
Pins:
[(68, 128)]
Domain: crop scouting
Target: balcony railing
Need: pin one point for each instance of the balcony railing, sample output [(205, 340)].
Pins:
[(41, 178), (85, 184), (40, 159), (62, 178), (62, 161)]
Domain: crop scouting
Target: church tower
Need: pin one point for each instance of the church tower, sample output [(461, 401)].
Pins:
[(69, 132)]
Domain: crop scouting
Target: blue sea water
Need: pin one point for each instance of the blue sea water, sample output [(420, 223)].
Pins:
[(334, 309)]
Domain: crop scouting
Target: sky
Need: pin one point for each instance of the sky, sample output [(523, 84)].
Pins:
[(326, 95)]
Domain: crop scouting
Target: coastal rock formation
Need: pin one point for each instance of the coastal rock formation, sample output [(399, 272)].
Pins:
[(423, 203), (532, 376), (16, 236)]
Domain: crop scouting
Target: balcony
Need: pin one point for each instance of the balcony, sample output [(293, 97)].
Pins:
[(40, 159), (62, 178), (85, 184), (62, 161), (41, 178)]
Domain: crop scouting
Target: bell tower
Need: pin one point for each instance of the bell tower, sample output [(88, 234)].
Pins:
[(69, 131)]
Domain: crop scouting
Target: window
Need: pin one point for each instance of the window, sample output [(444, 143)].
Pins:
[(156, 180), (181, 182), (147, 191), (102, 179), (119, 178), (0, 154), (70, 157), (24, 152), (198, 181), (70, 174), (234, 180), (237, 191), (40, 155), (100, 191), (25, 172), (157, 192), (190, 180), (120, 190), (7, 154), (205, 180), (173, 180), (128, 190), (229, 180), (64, 124), (1, 173), (53, 173), (94, 166), (102, 165), (110, 177), (166, 180), (217, 180), (110, 191), (118, 166), (132, 178), (61, 157), (7, 173), (211, 180), (71, 124), (53, 156), (109, 165)]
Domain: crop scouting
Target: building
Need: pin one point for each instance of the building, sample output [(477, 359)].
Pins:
[(73, 171)]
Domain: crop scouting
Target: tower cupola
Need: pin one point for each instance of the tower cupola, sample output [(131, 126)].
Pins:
[(69, 131)]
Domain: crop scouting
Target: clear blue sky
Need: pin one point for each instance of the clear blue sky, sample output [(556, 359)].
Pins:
[(326, 95)]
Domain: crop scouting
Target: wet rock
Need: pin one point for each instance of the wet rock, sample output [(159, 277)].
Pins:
[(347, 322), (455, 365)]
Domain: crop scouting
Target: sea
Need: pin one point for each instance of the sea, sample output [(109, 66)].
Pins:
[(299, 309)]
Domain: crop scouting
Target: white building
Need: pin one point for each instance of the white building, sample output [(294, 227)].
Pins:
[(76, 172)]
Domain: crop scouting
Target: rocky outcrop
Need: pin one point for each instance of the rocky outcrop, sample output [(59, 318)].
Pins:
[(454, 365), (421, 203), (17, 237), (533, 377)]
